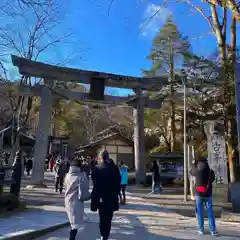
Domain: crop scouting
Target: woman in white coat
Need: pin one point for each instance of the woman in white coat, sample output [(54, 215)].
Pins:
[(77, 191)]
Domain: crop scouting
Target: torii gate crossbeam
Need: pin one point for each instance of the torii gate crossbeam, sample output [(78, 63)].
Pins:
[(50, 73)]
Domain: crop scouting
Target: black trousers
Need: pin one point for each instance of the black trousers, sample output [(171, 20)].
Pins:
[(59, 184), (28, 171), (122, 193), (105, 221)]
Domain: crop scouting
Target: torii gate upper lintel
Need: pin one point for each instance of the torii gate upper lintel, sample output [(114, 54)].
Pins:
[(49, 73), (42, 70)]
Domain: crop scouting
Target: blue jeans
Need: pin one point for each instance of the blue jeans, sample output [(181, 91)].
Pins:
[(200, 202), (156, 184)]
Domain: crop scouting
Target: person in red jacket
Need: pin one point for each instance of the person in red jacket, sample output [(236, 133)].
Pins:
[(203, 194), (51, 163)]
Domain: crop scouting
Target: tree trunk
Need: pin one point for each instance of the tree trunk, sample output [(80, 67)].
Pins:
[(173, 129), (231, 128), (172, 116), (227, 62)]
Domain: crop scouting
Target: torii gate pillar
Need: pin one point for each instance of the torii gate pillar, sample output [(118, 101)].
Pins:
[(139, 147), (42, 134)]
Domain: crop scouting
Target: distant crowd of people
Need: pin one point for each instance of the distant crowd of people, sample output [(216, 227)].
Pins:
[(60, 166)]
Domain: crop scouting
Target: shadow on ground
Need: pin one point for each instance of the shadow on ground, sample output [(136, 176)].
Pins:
[(120, 231), (39, 197), (172, 199), (136, 231)]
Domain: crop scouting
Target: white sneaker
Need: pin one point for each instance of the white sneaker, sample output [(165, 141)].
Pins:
[(151, 193)]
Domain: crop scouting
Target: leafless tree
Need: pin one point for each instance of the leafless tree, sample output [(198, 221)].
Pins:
[(100, 120), (95, 119), (28, 29)]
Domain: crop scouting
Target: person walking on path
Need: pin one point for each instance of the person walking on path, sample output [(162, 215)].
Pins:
[(203, 194), (29, 165), (106, 186), (192, 180), (77, 192), (155, 177), (51, 163), (124, 182), (60, 171), (87, 168)]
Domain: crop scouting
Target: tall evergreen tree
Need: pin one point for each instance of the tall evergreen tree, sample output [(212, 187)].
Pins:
[(167, 53)]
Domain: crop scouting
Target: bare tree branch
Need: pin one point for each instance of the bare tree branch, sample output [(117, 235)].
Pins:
[(198, 9), (28, 36), (110, 6), (202, 36), (155, 13)]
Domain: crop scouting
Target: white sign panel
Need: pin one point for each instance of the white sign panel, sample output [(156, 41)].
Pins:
[(217, 156)]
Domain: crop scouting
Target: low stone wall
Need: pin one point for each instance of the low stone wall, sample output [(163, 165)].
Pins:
[(220, 191), (235, 197), (230, 216), (164, 179)]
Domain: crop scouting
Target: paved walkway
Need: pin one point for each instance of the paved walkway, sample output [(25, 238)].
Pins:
[(142, 221), (40, 196), (137, 220), (127, 232)]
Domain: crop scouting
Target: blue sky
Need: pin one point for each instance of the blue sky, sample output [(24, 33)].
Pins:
[(119, 41)]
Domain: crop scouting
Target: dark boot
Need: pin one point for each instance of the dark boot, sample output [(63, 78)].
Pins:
[(73, 234)]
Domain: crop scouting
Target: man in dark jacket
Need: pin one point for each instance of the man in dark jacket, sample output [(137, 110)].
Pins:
[(60, 170), (203, 194), (29, 165), (155, 177), (106, 186)]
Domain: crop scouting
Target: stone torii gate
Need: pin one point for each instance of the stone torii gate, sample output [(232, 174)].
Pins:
[(98, 81)]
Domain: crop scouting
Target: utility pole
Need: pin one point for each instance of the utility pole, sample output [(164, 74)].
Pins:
[(185, 139)]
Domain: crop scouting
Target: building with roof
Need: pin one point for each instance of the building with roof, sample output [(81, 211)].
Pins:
[(119, 147), (58, 145)]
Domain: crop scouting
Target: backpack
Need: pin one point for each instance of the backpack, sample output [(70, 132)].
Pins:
[(204, 189), (84, 194)]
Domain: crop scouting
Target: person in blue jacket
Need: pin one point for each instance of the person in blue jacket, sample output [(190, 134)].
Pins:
[(124, 181)]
